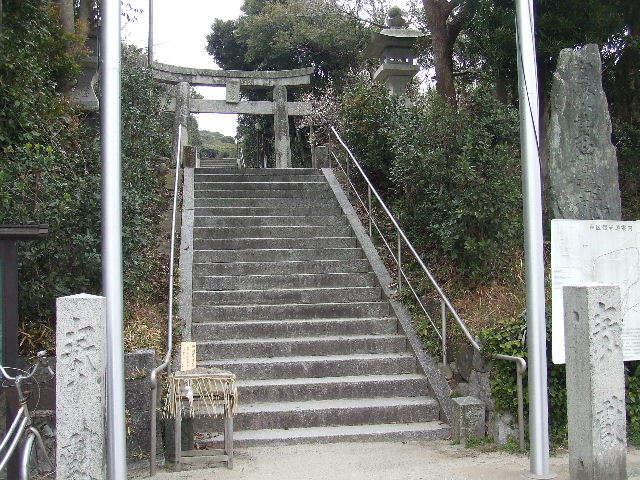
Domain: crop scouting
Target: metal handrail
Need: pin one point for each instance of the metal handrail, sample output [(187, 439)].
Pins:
[(445, 303), (154, 373)]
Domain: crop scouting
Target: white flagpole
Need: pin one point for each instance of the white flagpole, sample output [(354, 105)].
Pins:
[(534, 260), (112, 238)]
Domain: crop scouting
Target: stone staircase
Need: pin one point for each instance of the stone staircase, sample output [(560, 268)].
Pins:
[(219, 162), (285, 297)]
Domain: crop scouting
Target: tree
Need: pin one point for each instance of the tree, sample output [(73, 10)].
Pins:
[(285, 34), (445, 19)]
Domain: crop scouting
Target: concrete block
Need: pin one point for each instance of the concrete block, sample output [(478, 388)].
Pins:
[(80, 387), (502, 427), (139, 364), (468, 419), (595, 383), (189, 154), (322, 156)]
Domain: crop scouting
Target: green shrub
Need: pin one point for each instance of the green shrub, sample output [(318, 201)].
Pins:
[(368, 116), (627, 139), (459, 174)]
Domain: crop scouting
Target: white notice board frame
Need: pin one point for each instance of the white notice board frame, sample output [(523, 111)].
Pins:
[(596, 251)]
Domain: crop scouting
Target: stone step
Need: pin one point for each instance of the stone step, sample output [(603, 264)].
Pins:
[(268, 172), (264, 194), (220, 164), (293, 328), (283, 267), (306, 186), (300, 389), (291, 210), (287, 296), (320, 204), (270, 221), (273, 243), (316, 413), (252, 282), (227, 313), (301, 346), (315, 366), (434, 430), (272, 232), (244, 176), (275, 255)]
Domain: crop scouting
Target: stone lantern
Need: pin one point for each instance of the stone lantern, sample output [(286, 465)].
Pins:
[(394, 46)]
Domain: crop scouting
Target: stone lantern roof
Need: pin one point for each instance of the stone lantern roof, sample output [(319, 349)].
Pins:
[(394, 46), (395, 43)]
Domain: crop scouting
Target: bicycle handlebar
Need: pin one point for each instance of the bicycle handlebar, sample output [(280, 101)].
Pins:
[(41, 356)]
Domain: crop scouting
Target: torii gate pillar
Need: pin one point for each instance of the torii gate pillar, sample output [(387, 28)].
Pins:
[(281, 127)]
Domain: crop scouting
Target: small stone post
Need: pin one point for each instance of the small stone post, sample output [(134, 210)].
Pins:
[(322, 156), (281, 127), (595, 383), (468, 419), (80, 387)]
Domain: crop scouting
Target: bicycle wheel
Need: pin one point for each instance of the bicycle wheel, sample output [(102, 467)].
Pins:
[(35, 463)]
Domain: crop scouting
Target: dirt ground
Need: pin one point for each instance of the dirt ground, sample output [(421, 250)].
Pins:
[(434, 460)]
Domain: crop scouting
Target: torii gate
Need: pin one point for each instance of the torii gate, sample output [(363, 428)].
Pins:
[(233, 80)]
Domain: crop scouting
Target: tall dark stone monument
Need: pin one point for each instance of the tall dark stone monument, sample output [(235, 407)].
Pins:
[(583, 170)]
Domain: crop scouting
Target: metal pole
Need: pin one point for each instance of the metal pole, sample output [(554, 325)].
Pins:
[(534, 262), (443, 316), (150, 44), (112, 239), (399, 261)]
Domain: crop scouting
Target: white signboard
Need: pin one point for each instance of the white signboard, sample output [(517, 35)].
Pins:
[(596, 251), (187, 356)]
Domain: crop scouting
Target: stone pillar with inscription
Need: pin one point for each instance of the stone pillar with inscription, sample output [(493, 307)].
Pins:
[(80, 387), (595, 382), (583, 169), (281, 127)]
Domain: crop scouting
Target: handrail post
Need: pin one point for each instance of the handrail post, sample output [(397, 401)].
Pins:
[(348, 175), (369, 210), (399, 261), (443, 315)]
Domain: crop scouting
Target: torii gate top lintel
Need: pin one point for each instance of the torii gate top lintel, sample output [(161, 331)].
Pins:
[(251, 79)]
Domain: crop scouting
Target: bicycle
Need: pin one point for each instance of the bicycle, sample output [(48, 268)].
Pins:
[(22, 426)]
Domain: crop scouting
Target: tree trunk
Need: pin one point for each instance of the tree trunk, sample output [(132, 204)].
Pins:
[(444, 27), (67, 23), (83, 12), (67, 19)]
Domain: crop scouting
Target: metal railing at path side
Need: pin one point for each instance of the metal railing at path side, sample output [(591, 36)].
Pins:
[(167, 358), (395, 251)]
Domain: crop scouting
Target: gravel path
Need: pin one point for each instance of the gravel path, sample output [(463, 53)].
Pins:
[(434, 460)]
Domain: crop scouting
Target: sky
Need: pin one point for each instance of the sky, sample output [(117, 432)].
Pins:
[(179, 34)]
